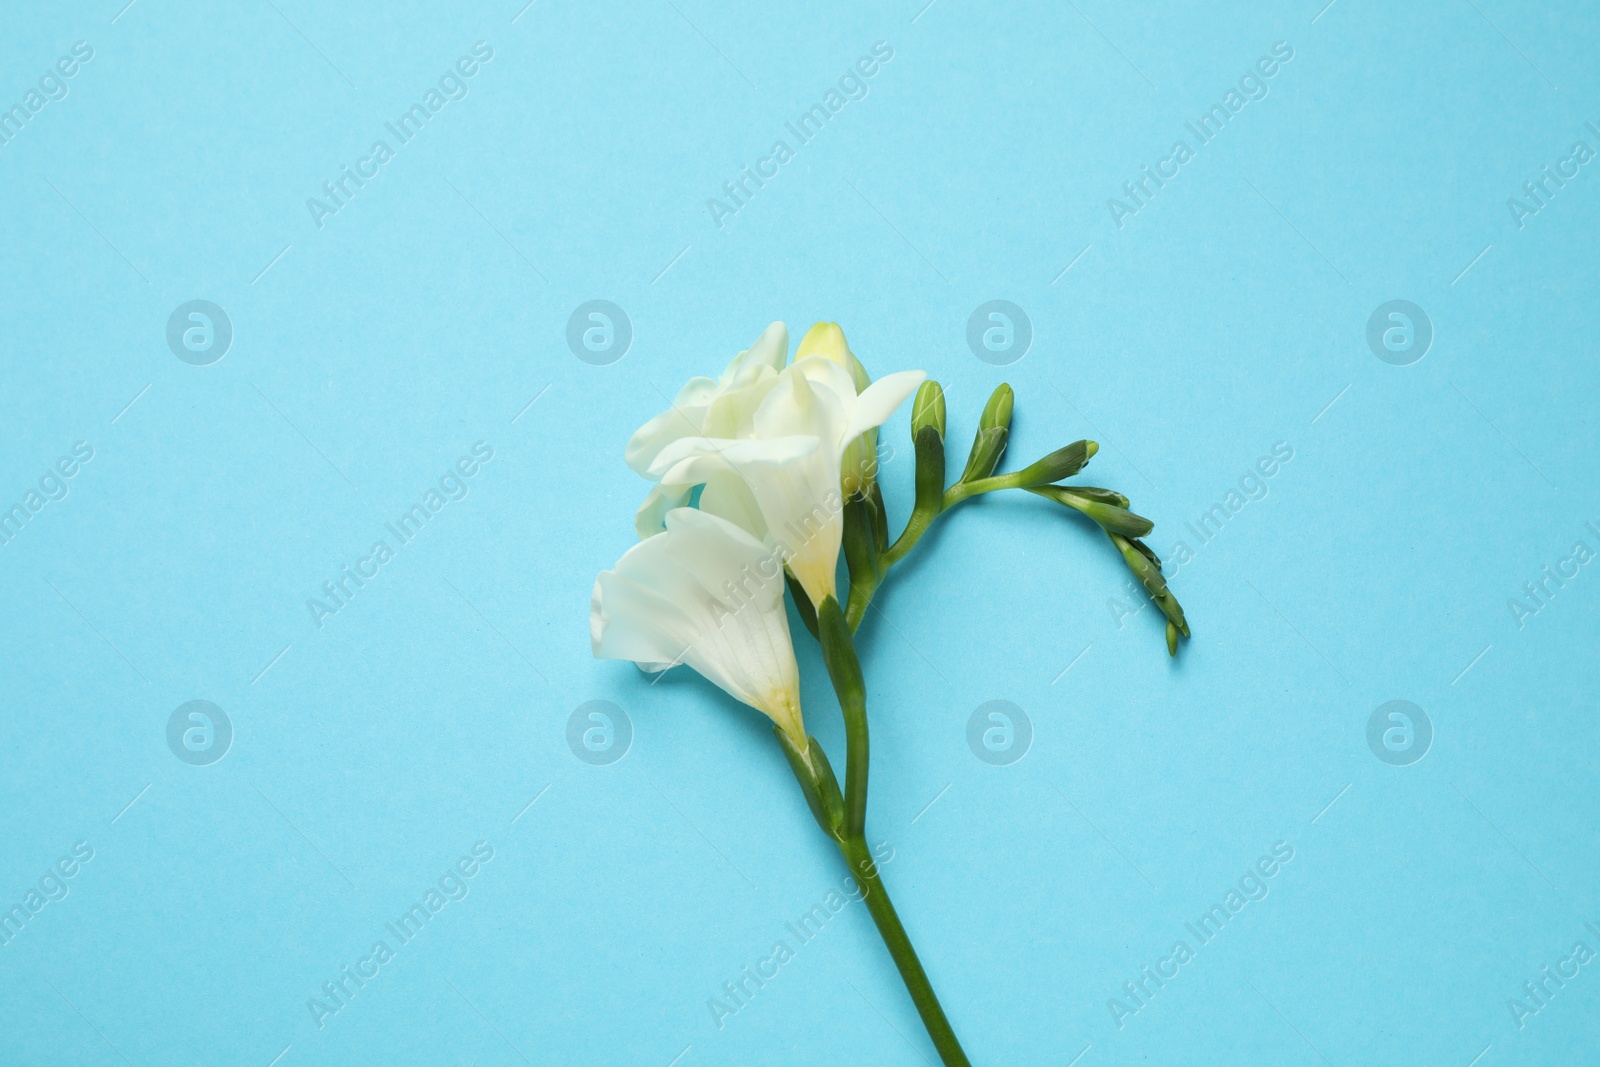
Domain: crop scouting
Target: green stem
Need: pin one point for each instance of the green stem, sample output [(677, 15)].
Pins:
[(839, 656), (862, 865), (908, 539), (919, 524), (821, 789), (962, 490)]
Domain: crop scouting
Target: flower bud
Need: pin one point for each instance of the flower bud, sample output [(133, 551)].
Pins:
[(859, 542), (826, 339), (927, 437), (880, 517), (997, 412), (802, 603), (1113, 518), (1062, 463), (989, 443), (1101, 496), (927, 410), (1146, 567)]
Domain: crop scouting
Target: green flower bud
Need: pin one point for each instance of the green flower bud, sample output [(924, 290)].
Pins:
[(1062, 463), (927, 437), (989, 443), (802, 603), (997, 412), (859, 541), (1118, 520), (1101, 496), (880, 517), (1144, 564), (1146, 567), (927, 410), (1113, 518)]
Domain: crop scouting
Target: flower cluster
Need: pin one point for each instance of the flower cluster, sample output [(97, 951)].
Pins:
[(774, 449), (761, 479)]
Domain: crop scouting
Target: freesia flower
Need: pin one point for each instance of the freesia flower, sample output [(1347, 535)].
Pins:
[(781, 462), (706, 593), (782, 483), (715, 407)]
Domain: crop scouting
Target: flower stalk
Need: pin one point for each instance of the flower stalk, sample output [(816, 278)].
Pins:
[(1062, 463), (844, 670), (843, 818)]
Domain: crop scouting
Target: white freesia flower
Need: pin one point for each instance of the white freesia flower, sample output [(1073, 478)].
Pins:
[(709, 407), (782, 482), (708, 594)]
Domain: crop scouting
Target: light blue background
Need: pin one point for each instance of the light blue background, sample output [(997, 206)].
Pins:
[(426, 315)]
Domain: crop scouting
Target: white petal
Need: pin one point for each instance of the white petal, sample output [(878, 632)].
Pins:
[(794, 485), (879, 400), (616, 600), (685, 416), (691, 460), (789, 466), (717, 406), (733, 413), (727, 496), (707, 594), (771, 350), (651, 517), (800, 501), (803, 403), (830, 373)]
